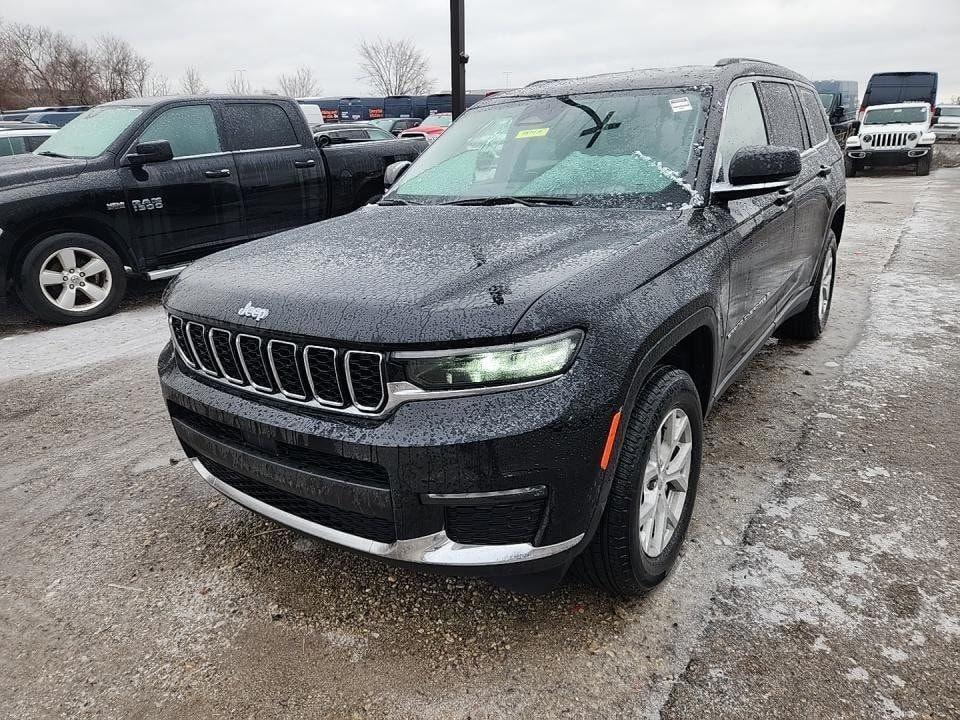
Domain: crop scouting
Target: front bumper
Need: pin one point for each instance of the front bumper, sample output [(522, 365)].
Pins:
[(888, 158), (492, 484)]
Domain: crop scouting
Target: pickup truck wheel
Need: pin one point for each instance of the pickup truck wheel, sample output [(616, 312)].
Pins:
[(923, 164), (809, 323), (849, 167), (654, 486), (71, 277)]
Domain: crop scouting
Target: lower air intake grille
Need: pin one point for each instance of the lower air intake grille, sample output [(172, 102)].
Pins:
[(346, 521), (494, 524)]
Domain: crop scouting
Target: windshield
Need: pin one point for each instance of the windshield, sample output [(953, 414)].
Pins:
[(895, 116), (630, 148), (950, 111), (444, 120), (827, 100), (91, 133)]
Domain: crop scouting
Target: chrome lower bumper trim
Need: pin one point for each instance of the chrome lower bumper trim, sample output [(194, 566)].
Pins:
[(165, 273), (435, 549)]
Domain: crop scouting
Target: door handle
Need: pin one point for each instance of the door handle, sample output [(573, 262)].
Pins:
[(824, 170), (784, 198), (304, 163), (217, 173)]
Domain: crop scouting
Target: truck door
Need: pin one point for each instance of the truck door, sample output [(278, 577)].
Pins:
[(760, 242), (178, 207), (279, 174)]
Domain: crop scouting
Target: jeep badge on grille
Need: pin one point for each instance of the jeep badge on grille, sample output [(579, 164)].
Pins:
[(250, 311)]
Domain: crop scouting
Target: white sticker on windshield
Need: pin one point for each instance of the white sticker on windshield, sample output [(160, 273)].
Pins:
[(680, 104)]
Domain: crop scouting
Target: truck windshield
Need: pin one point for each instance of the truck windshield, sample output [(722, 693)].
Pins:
[(950, 111), (631, 148), (895, 116), (88, 135), (826, 99)]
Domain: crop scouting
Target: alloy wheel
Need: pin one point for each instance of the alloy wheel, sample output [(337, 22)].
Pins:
[(75, 279), (826, 285), (665, 481)]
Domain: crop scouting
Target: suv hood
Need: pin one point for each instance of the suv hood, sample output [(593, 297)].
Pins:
[(29, 169), (396, 275)]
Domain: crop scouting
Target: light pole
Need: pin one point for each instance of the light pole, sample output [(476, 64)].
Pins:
[(458, 58)]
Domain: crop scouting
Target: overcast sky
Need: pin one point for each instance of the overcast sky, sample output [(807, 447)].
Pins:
[(523, 40)]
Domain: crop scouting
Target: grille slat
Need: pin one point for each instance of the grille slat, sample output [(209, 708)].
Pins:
[(317, 376), (197, 338)]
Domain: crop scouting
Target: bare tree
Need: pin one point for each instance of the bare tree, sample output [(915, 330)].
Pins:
[(394, 67), (32, 51), (122, 72), (159, 86), (191, 83), (238, 84), (301, 83)]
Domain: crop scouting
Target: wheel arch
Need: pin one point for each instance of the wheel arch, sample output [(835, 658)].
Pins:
[(837, 220)]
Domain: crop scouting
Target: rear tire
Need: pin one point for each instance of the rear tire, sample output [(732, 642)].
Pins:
[(809, 323), (624, 557), (71, 277), (923, 164)]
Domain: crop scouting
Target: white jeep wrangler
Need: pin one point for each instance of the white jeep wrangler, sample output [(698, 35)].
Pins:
[(891, 135)]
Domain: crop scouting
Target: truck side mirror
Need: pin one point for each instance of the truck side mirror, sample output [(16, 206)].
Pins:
[(855, 127), (394, 171), (150, 152)]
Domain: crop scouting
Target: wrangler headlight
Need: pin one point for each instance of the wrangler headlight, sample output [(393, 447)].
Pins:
[(491, 366)]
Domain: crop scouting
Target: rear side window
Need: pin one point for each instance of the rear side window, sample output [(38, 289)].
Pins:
[(813, 111), (251, 126), (190, 130), (742, 125), (783, 116)]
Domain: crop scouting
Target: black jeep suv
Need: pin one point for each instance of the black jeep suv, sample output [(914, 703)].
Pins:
[(502, 369)]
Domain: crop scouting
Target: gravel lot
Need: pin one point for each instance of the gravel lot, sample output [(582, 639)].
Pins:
[(820, 578)]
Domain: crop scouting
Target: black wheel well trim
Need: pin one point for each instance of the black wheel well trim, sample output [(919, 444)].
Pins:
[(40, 231), (704, 318)]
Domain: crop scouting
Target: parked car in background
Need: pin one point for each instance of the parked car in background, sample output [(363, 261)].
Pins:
[(840, 100), (899, 87), (16, 141), (503, 369), (892, 135), (20, 125), (431, 128), (344, 133), (946, 122), (22, 114), (59, 119), (150, 184), (395, 126)]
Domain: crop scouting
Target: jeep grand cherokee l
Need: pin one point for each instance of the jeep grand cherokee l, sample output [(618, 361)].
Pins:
[(502, 369)]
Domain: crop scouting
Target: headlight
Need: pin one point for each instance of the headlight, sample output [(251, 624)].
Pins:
[(868, 138), (491, 366), (911, 137)]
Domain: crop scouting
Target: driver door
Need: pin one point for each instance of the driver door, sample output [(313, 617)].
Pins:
[(182, 208)]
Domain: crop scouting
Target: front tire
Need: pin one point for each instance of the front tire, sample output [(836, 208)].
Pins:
[(71, 277), (654, 487), (850, 167), (923, 164)]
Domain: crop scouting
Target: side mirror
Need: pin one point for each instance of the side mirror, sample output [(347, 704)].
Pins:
[(855, 127), (936, 112), (394, 171), (758, 170), (150, 152)]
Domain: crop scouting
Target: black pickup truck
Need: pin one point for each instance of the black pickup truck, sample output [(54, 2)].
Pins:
[(144, 186)]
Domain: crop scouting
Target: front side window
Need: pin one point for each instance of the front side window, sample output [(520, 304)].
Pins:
[(190, 130), (253, 126), (626, 148), (896, 116), (782, 114), (90, 134), (826, 99), (742, 126)]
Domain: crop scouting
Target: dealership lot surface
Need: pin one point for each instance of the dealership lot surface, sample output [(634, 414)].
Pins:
[(820, 576)]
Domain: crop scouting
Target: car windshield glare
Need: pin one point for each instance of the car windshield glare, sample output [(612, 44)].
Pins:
[(88, 135), (895, 116), (625, 148)]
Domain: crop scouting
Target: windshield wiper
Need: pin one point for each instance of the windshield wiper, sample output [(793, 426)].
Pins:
[(397, 201), (50, 153), (528, 200)]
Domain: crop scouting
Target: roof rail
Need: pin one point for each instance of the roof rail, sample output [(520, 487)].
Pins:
[(734, 60), (544, 81)]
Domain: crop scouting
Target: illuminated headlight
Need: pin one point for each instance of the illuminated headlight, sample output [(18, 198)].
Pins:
[(868, 138), (491, 366)]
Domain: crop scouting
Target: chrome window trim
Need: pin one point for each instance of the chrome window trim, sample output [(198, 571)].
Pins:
[(212, 372), (216, 355), (261, 149), (243, 363), (176, 344), (434, 549), (336, 375), (276, 375), (384, 387)]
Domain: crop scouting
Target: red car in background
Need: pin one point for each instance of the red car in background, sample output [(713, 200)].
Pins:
[(430, 129)]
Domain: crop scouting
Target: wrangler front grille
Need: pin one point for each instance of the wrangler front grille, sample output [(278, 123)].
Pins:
[(305, 374), (890, 140)]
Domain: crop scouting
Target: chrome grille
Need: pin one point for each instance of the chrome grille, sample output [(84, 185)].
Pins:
[(304, 374)]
